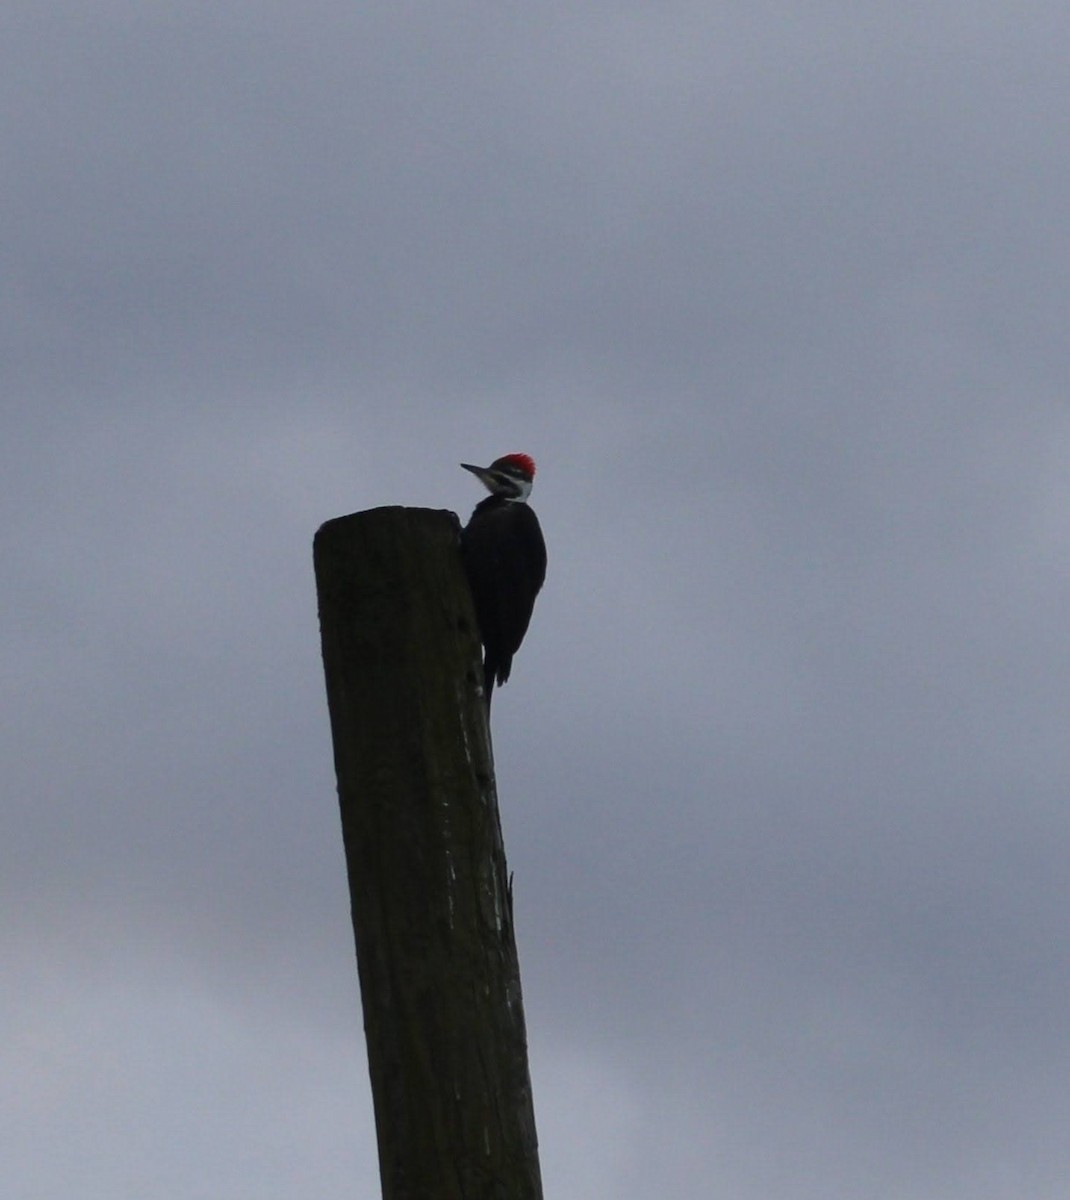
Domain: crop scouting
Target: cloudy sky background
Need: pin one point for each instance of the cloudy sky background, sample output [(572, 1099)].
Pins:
[(777, 296)]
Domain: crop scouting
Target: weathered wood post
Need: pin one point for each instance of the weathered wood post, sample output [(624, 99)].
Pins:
[(429, 888)]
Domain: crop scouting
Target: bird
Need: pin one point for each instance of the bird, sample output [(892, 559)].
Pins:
[(504, 557)]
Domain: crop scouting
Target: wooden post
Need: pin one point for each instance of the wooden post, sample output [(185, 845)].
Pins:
[(430, 892)]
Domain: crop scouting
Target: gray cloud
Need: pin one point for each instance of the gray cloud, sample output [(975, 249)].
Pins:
[(776, 299)]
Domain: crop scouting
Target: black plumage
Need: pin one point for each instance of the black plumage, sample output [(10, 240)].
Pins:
[(505, 560)]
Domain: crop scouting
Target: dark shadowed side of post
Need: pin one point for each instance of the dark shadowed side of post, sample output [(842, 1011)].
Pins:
[(429, 887)]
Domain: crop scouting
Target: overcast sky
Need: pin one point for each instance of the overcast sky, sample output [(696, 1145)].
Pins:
[(778, 296)]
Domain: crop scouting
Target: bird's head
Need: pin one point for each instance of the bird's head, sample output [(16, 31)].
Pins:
[(510, 477)]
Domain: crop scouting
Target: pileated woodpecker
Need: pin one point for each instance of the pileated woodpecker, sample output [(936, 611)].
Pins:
[(505, 560)]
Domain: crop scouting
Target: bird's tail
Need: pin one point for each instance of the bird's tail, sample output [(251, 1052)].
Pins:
[(489, 671)]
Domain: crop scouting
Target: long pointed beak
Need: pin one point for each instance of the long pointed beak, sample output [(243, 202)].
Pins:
[(482, 474)]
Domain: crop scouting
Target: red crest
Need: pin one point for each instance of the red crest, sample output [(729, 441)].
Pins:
[(524, 461)]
